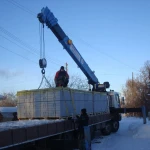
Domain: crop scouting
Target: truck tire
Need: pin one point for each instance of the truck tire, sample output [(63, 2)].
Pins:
[(115, 126), (107, 130)]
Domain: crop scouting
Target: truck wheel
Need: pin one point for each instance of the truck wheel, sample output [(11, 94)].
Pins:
[(107, 130), (115, 126)]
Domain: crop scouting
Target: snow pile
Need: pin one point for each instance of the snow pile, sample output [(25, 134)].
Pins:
[(25, 123), (137, 128), (143, 131)]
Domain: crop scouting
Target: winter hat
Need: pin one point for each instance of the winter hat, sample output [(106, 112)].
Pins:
[(83, 110), (62, 67)]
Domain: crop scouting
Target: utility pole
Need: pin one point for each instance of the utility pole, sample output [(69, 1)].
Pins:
[(132, 86), (132, 80), (149, 79), (66, 67)]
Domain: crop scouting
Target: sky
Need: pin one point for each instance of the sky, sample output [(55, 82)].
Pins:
[(112, 37), (132, 134)]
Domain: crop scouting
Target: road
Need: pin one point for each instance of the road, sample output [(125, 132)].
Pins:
[(132, 135)]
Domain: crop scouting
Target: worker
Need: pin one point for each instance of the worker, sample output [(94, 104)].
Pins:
[(61, 78), (15, 118), (82, 121)]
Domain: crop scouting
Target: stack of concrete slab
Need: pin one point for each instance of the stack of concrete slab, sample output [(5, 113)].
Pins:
[(100, 102), (59, 102)]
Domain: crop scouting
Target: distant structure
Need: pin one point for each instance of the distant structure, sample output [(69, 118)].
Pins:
[(2, 97)]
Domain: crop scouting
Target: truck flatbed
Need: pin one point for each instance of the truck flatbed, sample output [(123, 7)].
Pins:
[(15, 133)]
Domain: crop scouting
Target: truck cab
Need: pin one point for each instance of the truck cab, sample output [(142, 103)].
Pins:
[(114, 99)]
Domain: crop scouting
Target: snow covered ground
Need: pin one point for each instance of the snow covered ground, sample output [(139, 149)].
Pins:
[(132, 135)]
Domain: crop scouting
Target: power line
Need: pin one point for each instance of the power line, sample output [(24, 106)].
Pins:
[(19, 45), (24, 48), (30, 12), (18, 54), (22, 7), (26, 10), (23, 43), (106, 54), (17, 39), (34, 14)]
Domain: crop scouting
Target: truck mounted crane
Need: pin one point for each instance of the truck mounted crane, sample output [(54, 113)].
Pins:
[(47, 17), (52, 128)]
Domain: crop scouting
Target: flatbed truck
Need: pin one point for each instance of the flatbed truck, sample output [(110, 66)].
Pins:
[(61, 133)]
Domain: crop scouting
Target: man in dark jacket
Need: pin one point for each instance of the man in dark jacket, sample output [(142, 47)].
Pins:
[(82, 121), (15, 118), (61, 77)]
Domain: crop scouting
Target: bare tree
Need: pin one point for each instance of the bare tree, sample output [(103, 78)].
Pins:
[(144, 76), (133, 92), (75, 82), (135, 89), (11, 100)]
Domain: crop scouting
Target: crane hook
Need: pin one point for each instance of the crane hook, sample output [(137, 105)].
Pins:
[(42, 63), (43, 71)]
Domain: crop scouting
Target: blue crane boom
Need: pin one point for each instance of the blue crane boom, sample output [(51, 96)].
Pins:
[(47, 17)]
